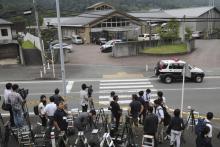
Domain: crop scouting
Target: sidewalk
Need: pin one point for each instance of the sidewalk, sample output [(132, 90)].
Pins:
[(189, 137)]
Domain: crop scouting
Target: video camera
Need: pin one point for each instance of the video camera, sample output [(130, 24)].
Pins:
[(23, 92), (90, 91)]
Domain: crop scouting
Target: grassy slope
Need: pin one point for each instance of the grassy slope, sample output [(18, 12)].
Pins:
[(167, 49), (27, 45)]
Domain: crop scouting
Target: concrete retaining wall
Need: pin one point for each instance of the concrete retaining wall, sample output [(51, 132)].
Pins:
[(32, 57), (133, 48)]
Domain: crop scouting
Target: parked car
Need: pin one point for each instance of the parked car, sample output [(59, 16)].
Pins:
[(171, 70), (144, 37), (66, 46), (77, 39), (197, 35), (155, 37), (100, 41), (106, 48)]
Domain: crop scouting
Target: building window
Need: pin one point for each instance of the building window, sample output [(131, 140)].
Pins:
[(4, 32)]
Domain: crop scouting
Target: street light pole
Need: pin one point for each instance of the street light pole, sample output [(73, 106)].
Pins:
[(61, 48), (40, 38)]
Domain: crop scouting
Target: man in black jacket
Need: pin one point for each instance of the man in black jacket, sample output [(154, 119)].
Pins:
[(151, 124), (116, 111), (175, 128)]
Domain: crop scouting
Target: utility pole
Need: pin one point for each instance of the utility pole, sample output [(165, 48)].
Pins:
[(39, 35), (210, 17), (184, 27), (61, 48)]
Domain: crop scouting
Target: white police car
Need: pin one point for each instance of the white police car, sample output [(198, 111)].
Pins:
[(171, 70)]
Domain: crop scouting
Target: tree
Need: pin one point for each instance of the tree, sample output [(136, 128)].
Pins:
[(170, 31), (48, 35), (188, 33)]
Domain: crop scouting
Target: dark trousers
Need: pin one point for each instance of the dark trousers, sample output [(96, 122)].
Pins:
[(11, 118), (84, 108), (141, 121), (44, 121), (117, 119)]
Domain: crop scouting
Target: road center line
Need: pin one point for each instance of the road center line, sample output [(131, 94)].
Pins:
[(179, 89), (125, 83)]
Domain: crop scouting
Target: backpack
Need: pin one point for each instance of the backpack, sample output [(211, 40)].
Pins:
[(167, 117), (200, 126), (36, 111)]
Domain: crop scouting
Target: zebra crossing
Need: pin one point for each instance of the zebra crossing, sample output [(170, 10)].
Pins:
[(124, 88)]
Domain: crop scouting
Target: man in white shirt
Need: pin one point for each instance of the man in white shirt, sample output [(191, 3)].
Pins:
[(147, 95), (160, 114), (7, 91), (50, 109), (209, 117), (41, 110), (84, 98)]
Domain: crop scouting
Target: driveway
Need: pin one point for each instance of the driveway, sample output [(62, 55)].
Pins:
[(206, 55)]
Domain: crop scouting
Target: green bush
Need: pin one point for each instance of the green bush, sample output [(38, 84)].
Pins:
[(27, 45)]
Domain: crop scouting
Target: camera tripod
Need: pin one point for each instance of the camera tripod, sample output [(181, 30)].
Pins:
[(7, 133), (191, 120), (127, 128), (101, 115), (81, 140)]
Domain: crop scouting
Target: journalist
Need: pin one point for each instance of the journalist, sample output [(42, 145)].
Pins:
[(16, 101)]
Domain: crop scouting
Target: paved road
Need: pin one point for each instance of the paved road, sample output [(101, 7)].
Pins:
[(202, 97), (206, 55)]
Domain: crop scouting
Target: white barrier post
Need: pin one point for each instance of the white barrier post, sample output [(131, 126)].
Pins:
[(146, 67), (52, 136), (41, 74), (48, 65), (44, 66)]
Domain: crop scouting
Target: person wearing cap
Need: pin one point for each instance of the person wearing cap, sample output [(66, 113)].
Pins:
[(84, 119)]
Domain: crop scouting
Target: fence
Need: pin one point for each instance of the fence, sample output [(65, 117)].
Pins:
[(33, 39)]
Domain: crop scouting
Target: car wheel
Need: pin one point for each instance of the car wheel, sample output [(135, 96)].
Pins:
[(198, 79), (168, 79)]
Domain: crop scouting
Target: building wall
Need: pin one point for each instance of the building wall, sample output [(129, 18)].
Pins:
[(9, 36)]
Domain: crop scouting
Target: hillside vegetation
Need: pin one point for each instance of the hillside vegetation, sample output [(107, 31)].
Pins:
[(13, 9)]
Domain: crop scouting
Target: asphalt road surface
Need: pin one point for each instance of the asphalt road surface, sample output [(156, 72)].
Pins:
[(202, 97)]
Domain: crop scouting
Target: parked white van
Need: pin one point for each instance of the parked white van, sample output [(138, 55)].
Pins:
[(77, 39), (144, 37)]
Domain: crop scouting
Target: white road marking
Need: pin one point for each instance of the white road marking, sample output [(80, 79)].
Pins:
[(122, 96), (125, 87), (124, 90), (32, 82), (125, 80), (199, 88), (120, 102), (69, 86), (136, 83)]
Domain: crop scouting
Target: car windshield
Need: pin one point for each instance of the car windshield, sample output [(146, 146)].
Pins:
[(109, 42), (78, 37)]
